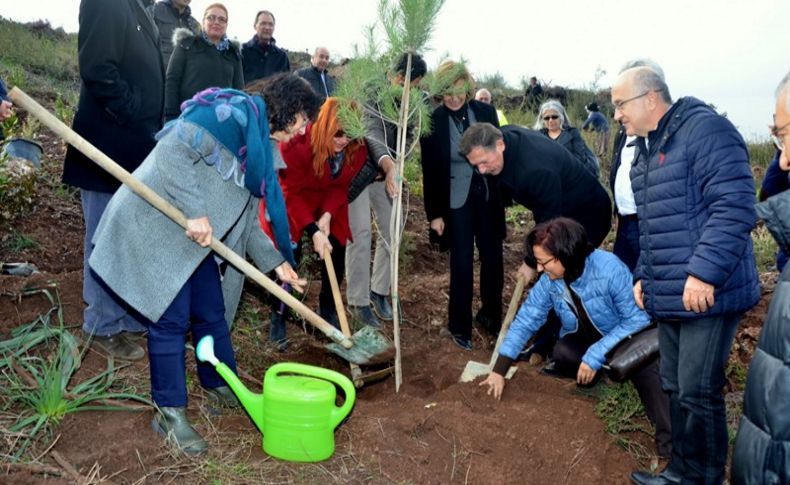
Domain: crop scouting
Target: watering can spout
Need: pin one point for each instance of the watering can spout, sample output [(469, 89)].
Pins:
[(252, 402)]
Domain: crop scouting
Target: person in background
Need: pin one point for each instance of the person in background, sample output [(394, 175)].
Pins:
[(598, 123), (317, 75), (553, 122), (463, 206), (484, 96), (696, 273), (120, 109), (776, 181), (6, 107), (590, 290), (202, 61), (261, 55), (168, 16), (533, 94), (215, 164)]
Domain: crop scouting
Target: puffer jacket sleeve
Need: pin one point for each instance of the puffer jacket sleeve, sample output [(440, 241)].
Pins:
[(722, 172), (631, 318), (530, 317)]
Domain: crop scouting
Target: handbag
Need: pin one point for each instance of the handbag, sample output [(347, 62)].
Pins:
[(632, 354)]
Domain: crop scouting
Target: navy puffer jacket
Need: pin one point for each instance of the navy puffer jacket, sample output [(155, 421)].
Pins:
[(695, 201), (762, 447)]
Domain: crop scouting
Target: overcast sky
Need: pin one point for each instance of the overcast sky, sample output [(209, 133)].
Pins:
[(727, 52)]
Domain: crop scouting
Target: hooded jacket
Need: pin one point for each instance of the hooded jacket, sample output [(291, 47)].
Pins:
[(167, 19), (196, 65), (694, 194)]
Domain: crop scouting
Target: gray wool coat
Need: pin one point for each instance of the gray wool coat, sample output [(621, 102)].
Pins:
[(145, 257)]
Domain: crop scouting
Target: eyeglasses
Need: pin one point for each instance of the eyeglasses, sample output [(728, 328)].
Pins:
[(217, 18), (551, 117), (618, 105), (777, 136), (544, 263)]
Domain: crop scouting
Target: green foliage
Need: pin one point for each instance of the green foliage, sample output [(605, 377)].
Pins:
[(408, 25), (494, 82), (765, 248), (412, 172), (64, 109), (735, 372), (41, 51), (621, 410), (18, 241)]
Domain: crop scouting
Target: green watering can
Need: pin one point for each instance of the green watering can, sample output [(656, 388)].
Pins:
[(296, 413)]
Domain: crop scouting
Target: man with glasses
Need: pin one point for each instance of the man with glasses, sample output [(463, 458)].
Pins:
[(260, 55), (696, 273)]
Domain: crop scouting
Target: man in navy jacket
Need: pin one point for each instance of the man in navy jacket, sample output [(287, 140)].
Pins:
[(696, 273)]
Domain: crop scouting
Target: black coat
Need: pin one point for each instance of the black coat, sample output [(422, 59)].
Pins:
[(122, 90), (571, 139), (261, 62), (547, 179), (435, 158), (168, 19), (194, 66), (313, 76)]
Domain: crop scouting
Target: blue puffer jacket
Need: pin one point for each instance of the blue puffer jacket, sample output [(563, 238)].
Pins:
[(605, 290), (762, 446), (695, 200)]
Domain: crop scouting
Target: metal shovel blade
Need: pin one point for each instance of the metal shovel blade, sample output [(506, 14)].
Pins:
[(473, 370), (370, 347)]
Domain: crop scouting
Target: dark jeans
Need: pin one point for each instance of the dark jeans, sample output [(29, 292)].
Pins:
[(568, 353), (693, 355), (626, 242), (481, 222), (197, 307)]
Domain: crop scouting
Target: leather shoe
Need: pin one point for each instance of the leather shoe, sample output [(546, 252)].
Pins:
[(667, 477), (381, 306), (277, 331), (223, 396), (364, 315), (119, 346), (172, 424)]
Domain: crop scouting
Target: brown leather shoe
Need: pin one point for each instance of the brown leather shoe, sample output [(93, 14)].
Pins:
[(119, 346)]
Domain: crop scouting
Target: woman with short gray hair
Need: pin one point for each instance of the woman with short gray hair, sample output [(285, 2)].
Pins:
[(553, 122)]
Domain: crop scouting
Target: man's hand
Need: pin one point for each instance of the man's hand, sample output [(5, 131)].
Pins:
[(321, 243), (286, 274), (199, 230), (585, 374), (389, 167), (496, 384), (697, 295), (526, 272), (438, 225), (5, 110), (323, 223), (638, 295)]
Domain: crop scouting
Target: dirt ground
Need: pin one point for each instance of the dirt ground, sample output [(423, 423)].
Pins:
[(435, 430)]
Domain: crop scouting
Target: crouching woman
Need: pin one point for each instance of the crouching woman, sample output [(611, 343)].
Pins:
[(214, 163), (590, 290)]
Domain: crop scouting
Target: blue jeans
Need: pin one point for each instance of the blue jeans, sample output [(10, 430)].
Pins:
[(106, 313), (197, 307), (693, 355)]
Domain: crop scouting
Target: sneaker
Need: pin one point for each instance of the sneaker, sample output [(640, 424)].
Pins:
[(364, 315), (277, 331), (462, 342), (119, 346), (381, 306), (172, 424), (330, 315)]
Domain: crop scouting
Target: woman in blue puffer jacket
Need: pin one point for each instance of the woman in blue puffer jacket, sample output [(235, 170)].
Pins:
[(596, 285)]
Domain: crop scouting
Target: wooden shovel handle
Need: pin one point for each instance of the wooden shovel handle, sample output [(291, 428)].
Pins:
[(509, 316), (67, 134), (356, 372)]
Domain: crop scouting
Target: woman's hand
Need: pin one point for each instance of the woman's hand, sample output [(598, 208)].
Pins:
[(321, 243), (390, 175), (5, 110), (286, 274), (495, 383), (199, 230), (526, 272), (323, 223), (438, 225), (585, 374)]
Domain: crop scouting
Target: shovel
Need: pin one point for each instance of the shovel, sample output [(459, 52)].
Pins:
[(473, 369), (357, 377), (360, 349)]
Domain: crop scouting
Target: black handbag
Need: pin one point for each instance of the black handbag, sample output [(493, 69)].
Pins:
[(632, 354)]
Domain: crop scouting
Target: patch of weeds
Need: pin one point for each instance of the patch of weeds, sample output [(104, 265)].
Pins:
[(621, 410), (407, 247), (736, 372), (64, 110), (764, 249), (18, 242), (412, 173), (519, 216)]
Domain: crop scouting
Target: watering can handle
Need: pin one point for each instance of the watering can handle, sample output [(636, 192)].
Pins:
[(338, 413)]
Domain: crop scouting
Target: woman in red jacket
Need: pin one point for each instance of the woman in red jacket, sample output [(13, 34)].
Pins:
[(319, 167)]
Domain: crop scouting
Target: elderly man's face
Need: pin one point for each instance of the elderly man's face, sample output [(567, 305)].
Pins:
[(320, 59), (264, 27), (631, 107), (488, 161), (781, 129), (483, 96)]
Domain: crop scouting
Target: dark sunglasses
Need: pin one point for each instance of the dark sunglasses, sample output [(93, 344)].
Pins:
[(551, 117), (340, 134)]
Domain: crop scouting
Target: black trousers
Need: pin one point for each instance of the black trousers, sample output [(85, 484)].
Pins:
[(568, 353), (626, 242), (480, 221)]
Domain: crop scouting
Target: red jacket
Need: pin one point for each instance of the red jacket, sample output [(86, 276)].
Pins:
[(307, 196)]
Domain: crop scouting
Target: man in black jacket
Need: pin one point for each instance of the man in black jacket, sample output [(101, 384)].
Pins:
[(119, 112), (168, 16), (322, 83), (261, 56)]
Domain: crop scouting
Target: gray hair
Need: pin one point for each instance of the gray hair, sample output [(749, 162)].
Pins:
[(552, 105), (646, 79), (784, 88), (483, 135), (644, 62)]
